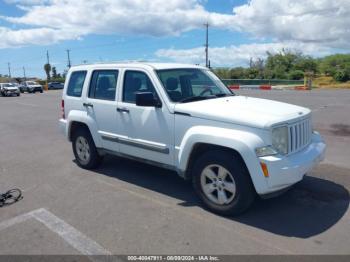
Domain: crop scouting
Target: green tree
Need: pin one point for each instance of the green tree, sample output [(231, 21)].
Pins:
[(47, 68), (238, 73), (306, 64), (341, 75), (337, 66), (296, 75), (54, 72)]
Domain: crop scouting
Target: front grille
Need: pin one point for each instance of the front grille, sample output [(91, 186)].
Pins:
[(299, 135)]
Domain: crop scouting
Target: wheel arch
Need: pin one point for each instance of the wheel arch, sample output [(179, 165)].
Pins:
[(82, 120), (237, 142), (201, 147)]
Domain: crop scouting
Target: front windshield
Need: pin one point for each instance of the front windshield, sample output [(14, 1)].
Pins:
[(182, 85), (31, 83)]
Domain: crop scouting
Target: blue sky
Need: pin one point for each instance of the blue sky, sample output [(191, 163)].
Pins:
[(138, 30)]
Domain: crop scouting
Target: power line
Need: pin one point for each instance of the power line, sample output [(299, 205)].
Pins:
[(207, 45)]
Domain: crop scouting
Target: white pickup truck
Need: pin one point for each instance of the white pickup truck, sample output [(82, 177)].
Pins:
[(182, 117)]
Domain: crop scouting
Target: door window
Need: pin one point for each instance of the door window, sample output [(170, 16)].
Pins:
[(134, 82), (103, 84)]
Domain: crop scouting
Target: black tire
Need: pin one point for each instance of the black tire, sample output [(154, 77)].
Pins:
[(18, 94), (41, 91), (94, 159), (245, 193)]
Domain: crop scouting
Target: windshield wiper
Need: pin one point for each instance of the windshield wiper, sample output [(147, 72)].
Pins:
[(195, 98), (199, 98), (224, 95)]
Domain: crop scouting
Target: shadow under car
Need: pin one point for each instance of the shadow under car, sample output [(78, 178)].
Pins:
[(309, 208)]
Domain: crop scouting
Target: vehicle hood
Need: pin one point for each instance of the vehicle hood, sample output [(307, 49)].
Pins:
[(34, 85), (242, 110), (11, 88)]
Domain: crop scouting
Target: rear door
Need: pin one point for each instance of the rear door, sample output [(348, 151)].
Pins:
[(101, 105)]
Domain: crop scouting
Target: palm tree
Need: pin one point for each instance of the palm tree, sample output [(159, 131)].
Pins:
[(47, 68)]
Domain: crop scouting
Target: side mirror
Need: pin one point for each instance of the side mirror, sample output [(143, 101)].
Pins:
[(147, 99)]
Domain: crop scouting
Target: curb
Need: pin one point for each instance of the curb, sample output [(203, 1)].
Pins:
[(252, 87), (267, 87)]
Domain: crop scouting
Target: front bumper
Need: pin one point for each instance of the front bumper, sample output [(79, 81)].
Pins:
[(11, 92), (285, 171), (36, 88)]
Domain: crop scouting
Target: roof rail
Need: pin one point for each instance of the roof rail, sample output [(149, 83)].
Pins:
[(114, 62)]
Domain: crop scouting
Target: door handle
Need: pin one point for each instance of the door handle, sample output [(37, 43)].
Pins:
[(123, 110), (88, 105)]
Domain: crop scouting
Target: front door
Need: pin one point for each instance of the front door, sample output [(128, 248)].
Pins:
[(144, 132)]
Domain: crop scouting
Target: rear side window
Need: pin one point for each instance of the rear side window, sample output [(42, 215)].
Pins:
[(76, 83), (103, 84)]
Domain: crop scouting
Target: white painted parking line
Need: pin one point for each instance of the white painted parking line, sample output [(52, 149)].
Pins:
[(72, 236), (13, 221)]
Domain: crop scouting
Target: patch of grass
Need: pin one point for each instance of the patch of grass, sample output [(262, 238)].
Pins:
[(4, 79), (329, 82)]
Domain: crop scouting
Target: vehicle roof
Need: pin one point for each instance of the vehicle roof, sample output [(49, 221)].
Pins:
[(145, 65)]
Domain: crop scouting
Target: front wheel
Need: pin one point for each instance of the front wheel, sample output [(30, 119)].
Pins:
[(84, 149), (223, 183)]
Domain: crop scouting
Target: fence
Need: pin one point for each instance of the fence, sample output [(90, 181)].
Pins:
[(258, 82)]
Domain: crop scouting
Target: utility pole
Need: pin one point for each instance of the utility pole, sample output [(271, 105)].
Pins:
[(9, 67), (207, 45), (47, 56), (69, 63), (24, 73)]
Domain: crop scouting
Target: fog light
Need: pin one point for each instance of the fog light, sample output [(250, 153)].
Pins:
[(264, 169)]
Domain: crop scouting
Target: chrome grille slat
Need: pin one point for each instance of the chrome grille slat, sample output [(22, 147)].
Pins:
[(299, 135)]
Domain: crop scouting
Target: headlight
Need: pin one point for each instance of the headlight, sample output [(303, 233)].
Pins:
[(265, 151), (280, 139)]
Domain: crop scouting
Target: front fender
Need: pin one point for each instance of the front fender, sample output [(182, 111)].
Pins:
[(243, 142), (84, 118)]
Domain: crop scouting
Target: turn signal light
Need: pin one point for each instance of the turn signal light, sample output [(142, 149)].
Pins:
[(264, 169)]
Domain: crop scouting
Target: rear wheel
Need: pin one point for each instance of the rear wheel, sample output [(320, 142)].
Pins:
[(223, 183), (84, 149)]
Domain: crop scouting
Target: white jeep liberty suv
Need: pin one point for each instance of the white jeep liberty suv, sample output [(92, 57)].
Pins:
[(182, 117)]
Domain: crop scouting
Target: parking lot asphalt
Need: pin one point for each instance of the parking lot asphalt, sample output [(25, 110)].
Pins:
[(126, 207)]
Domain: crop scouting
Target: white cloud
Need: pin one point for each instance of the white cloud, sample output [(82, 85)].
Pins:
[(237, 55), (13, 38), (27, 2), (153, 18), (307, 21), (323, 23)]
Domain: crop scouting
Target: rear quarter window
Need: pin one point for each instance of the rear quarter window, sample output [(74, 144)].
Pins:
[(76, 83)]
